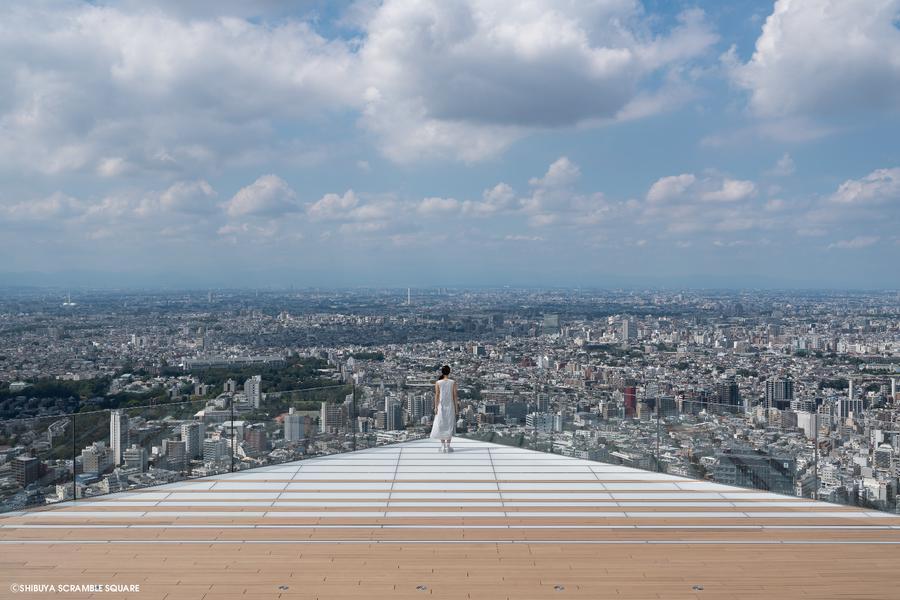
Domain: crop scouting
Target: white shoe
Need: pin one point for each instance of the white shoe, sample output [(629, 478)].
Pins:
[(449, 449), (442, 449)]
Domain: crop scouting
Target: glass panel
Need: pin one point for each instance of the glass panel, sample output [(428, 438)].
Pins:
[(36, 467)]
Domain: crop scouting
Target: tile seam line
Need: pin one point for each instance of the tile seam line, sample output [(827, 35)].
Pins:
[(686, 542)]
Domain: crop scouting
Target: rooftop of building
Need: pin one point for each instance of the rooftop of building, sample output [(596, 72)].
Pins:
[(487, 521)]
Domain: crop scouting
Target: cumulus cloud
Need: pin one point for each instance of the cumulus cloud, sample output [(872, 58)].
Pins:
[(688, 204), (824, 58), (882, 185), (436, 206), (673, 186), (268, 196), (189, 197), (333, 206), (465, 79), (92, 85), (688, 186)]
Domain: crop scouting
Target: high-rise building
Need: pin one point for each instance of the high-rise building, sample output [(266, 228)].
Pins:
[(330, 417), (539, 421), (779, 393), (253, 390), (230, 386), (118, 435), (294, 429), (630, 398), (255, 438), (26, 470), (418, 407), (393, 414), (135, 457), (96, 458), (883, 457), (550, 325), (728, 393), (175, 452), (190, 434), (849, 405), (215, 450), (628, 331)]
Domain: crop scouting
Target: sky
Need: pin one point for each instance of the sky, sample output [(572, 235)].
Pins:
[(596, 143)]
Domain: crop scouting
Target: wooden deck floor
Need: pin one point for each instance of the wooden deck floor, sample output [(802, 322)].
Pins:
[(485, 522)]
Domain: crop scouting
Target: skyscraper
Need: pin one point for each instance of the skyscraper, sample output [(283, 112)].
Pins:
[(779, 393), (630, 393), (175, 453), (293, 427), (253, 390), (628, 331), (728, 393), (190, 434), (118, 435), (393, 414), (330, 417), (550, 325)]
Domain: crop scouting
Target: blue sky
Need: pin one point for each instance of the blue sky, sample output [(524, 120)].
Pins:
[(553, 142)]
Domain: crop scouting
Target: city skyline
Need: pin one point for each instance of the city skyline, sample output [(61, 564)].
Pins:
[(610, 144)]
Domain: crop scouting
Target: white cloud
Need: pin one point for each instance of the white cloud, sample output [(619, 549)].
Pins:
[(54, 207), (465, 79), (881, 185), (823, 58), (688, 187), (670, 187), (267, 196), (189, 197), (436, 206), (333, 206), (860, 241), (131, 87), (730, 190), (562, 172)]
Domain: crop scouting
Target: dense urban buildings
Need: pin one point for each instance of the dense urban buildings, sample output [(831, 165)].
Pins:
[(791, 392)]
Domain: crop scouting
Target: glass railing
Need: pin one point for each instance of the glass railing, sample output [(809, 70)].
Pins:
[(70, 457), (722, 443), (88, 454)]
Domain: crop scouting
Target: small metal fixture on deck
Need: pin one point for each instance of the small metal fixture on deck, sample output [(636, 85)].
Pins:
[(697, 587), (421, 587), (283, 587), (558, 588)]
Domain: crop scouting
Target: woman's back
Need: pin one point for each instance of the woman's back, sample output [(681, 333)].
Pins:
[(445, 386)]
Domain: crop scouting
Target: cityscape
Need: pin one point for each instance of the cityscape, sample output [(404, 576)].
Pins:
[(456, 299), (789, 392)]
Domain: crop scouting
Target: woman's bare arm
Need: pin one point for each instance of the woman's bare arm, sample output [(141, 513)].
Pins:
[(455, 399), (437, 397)]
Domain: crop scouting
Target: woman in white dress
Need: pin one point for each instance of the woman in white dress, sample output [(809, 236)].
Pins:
[(446, 407)]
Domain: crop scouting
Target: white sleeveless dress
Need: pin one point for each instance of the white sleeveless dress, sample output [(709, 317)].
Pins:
[(445, 420)]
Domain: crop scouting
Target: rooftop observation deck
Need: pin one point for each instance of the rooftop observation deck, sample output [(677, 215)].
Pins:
[(488, 521)]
